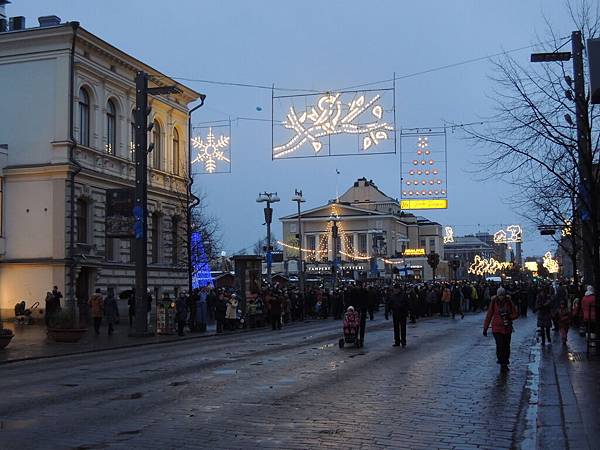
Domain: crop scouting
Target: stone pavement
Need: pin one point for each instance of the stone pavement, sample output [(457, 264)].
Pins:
[(292, 389), (569, 396)]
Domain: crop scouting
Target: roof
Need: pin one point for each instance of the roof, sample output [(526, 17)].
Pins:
[(467, 241), (363, 211), (156, 77)]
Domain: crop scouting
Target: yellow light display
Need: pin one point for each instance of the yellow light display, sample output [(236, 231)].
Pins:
[(550, 263), (414, 252), (482, 266), (532, 266), (566, 230), (512, 234), (433, 203)]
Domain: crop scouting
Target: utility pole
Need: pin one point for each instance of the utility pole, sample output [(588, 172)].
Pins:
[(299, 199), (268, 198), (334, 233), (140, 208)]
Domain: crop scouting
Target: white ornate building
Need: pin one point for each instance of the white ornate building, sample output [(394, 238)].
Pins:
[(66, 109), (372, 229)]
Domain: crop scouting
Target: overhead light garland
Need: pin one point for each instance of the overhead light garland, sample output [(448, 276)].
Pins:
[(211, 150), (332, 116), (512, 234)]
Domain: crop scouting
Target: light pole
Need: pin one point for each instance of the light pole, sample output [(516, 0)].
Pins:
[(299, 199), (268, 198), (334, 219)]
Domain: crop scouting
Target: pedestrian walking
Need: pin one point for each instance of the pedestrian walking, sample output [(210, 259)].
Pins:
[(181, 313), (96, 304), (359, 300), (57, 296), (231, 313), (544, 313), (111, 311), (456, 299), (52, 307), (275, 311), (220, 312), (564, 321), (398, 306), (588, 307), (500, 316), (446, 300)]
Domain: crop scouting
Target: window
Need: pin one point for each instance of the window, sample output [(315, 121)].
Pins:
[(112, 248), (311, 242), (132, 250), (132, 140), (84, 117), (175, 240), (81, 220), (111, 128), (157, 152), (422, 243), (155, 236), (362, 243), (176, 162), (432, 245), (1, 215)]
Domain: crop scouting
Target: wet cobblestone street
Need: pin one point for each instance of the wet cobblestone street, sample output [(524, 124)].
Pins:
[(289, 389)]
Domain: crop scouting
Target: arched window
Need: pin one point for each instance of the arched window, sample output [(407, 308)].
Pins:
[(157, 152), (175, 240), (81, 221), (132, 138), (111, 128), (176, 162), (84, 117)]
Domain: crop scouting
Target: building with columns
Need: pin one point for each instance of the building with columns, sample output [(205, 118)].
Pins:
[(374, 236), (67, 124)]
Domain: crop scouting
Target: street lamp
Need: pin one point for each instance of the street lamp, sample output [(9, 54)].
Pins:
[(268, 198), (299, 199), (334, 219)]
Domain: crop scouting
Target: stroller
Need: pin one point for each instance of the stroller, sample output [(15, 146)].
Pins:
[(351, 325), (24, 315)]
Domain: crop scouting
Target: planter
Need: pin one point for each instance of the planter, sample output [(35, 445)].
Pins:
[(66, 334), (5, 340)]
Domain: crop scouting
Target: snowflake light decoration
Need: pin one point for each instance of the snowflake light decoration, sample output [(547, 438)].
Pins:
[(210, 150), (332, 116)]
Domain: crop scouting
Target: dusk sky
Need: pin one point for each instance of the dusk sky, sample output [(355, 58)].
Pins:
[(327, 45)]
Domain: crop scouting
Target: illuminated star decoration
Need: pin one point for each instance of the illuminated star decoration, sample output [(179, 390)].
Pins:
[(210, 151), (481, 266), (426, 179), (331, 117), (449, 236), (550, 263)]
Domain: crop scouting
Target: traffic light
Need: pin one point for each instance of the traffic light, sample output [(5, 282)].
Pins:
[(433, 259)]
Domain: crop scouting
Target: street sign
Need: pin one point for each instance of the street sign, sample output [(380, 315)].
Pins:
[(432, 203), (552, 56), (119, 217), (593, 49)]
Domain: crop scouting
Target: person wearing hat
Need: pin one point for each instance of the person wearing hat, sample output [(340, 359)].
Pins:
[(500, 316), (588, 307)]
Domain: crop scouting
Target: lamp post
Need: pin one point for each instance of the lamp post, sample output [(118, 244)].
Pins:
[(334, 219), (299, 199), (268, 198)]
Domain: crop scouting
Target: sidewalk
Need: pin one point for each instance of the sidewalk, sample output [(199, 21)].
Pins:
[(30, 341), (568, 414)]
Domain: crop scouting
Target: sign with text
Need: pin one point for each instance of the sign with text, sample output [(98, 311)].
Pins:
[(119, 213)]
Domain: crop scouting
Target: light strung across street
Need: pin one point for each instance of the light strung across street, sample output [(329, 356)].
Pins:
[(512, 234), (482, 266), (213, 151)]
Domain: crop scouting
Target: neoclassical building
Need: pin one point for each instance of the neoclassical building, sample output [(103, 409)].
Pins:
[(374, 235), (67, 126)]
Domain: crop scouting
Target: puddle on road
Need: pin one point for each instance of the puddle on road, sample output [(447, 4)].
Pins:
[(225, 371), (15, 424), (134, 396)]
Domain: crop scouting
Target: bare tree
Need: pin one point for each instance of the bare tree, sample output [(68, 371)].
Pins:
[(533, 140)]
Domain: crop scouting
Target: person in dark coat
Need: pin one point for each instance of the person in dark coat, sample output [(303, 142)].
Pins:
[(181, 313), (220, 312), (544, 313), (274, 310), (111, 311), (455, 300), (359, 299), (398, 305)]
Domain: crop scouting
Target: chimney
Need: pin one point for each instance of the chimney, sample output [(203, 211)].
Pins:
[(17, 23), (48, 21)]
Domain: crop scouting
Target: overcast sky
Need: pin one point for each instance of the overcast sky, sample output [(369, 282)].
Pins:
[(326, 45)]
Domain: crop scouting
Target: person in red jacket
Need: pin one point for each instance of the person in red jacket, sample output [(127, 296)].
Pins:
[(500, 315)]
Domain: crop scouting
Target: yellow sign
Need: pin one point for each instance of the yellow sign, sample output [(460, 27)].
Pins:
[(432, 203), (414, 252)]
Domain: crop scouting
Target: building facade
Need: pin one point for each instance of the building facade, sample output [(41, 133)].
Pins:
[(374, 236), (68, 129), (464, 249)]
